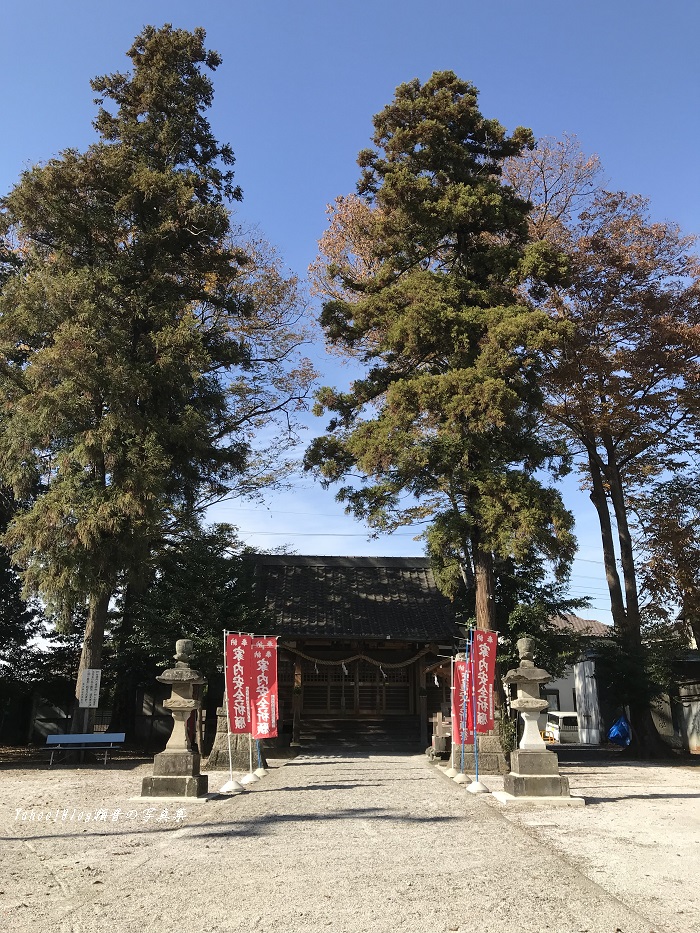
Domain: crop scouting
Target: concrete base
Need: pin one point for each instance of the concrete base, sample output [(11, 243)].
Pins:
[(461, 778), (175, 774), (491, 757), (536, 785), (232, 787), (169, 800), (176, 764), (250, 778), (509, 800), (186, 786), (535, 774), (476, 787), (539, 762)]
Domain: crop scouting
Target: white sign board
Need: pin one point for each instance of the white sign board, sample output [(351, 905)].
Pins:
[(90, 687)]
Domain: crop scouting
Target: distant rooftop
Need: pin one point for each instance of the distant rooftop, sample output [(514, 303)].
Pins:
[(568, 620), (354, 597)]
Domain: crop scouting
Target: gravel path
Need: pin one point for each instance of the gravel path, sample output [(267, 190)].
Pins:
[(351, 843)]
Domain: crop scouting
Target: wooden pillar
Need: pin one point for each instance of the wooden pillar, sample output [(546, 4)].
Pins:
[(355, 670), (422, 704), (296, 703)]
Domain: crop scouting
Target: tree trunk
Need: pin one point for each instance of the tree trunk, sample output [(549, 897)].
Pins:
[(123, 718), (693, 621), (632, 618), (646, 741), (485, 589), (124, 704), (90, 658), (466, 568), (599, 500)]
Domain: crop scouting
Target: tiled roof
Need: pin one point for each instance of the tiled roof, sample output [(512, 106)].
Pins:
[(583, 626), (353, 597)]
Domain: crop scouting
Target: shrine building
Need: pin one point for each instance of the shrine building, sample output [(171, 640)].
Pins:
[(360, 638)]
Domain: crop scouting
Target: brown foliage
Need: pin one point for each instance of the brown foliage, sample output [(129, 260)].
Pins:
[(559, 180)]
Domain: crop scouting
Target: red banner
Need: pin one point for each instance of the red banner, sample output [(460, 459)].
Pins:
[(483, 660), (251, 685), (238, 683), (461, 704), (264, 687)]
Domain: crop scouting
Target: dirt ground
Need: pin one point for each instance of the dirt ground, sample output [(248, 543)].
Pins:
[(638, 836), (350, 842)]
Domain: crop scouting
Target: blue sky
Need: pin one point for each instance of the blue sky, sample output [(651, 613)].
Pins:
[(295, 95)]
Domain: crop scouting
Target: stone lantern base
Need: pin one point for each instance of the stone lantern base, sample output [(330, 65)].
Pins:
[(175, 774), (535, 774)]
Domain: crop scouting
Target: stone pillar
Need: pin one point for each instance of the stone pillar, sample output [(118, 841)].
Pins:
[(534, 770), (237, 744), (218, 756), (176, 769)]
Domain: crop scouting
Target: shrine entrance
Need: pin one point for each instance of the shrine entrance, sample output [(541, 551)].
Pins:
[(364, 690), (357, 688)]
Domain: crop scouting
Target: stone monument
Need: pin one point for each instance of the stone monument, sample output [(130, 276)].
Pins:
[(534, 770), (176, 769)]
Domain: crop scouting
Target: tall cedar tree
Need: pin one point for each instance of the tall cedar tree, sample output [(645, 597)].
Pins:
[(622, 385), (421, 269), (121, 328)]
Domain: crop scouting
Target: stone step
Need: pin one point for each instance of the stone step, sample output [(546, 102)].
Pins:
[(402, 733)]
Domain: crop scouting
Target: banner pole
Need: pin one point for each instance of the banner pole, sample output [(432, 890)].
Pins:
[(452, 771), (260, 770), (476, 739), (231, 786), (251, 777), (230, 758), (476, 787)]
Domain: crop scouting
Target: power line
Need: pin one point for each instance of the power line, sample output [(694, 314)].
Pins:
[(324, 534), (272, 512)]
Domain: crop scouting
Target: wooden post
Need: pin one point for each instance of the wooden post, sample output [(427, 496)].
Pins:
[(422, 704), (296, 703), (355, 671)]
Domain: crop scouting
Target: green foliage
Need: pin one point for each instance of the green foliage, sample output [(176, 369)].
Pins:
[(160, 110), (141, 346), (48, 666), (508, 733), (555, 648), (20, 621), (635, 675), (425, 292), (201, 585)]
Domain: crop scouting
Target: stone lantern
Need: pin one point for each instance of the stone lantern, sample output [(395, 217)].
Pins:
[(176, 769), (534, 770)]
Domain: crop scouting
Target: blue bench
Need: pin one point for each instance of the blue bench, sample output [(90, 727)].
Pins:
[(96, 741)]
